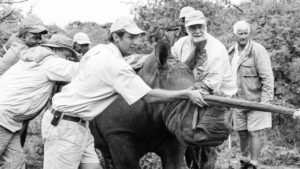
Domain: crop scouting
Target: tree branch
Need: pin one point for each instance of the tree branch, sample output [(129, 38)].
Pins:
[(2, 19)]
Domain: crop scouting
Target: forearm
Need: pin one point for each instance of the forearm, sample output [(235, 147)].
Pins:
[(159, 95)]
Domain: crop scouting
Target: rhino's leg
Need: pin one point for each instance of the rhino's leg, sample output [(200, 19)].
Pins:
[(201, 157), (171, 153), (123, 151)]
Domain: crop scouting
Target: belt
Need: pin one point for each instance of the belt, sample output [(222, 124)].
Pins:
[(68, 118)]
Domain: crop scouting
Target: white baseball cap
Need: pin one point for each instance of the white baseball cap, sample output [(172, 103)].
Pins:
[(194, 18), (126, 24), (184, 11), (81, 38)]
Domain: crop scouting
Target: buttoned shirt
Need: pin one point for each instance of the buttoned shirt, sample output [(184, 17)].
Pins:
[(103, 76), (217, 68), (26, 86)]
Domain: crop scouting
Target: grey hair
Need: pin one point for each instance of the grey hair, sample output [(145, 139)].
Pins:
[(241, 25)]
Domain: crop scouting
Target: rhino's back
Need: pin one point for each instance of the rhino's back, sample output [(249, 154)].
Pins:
[(141, 121)]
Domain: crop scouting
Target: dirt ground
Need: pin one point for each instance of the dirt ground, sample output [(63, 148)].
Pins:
[(227, 159)]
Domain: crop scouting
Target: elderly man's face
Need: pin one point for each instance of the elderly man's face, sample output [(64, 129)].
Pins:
[(81, 48), (242, 37), (197, 32), (126, 43), (33, 39)]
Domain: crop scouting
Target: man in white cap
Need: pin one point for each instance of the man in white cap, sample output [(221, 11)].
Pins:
[(212, 68), (253, 74), (26, 87), (103, 76), (176, 33), (81, 43)]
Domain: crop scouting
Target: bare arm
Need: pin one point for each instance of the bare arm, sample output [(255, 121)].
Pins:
[(159, 95)]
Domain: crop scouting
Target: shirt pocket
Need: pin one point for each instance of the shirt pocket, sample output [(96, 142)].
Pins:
[(250, 75), (248, 69)]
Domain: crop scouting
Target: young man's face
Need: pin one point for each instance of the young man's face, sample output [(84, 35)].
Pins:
[(81, 48), (242, 37), (32, 39), (127, 43), (197, 32)]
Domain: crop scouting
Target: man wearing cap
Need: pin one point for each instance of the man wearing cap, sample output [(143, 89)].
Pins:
[(30, 35), (253, 74), (26, 87), (212, 73), (176, 33), (81, 43), (103, 75)]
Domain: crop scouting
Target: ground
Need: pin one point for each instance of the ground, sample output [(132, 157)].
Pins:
[(273, 157)]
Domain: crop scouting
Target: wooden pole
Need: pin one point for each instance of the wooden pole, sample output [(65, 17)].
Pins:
[(231, 102)]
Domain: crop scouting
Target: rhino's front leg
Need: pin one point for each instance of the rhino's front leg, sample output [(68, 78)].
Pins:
[(123, 151), (171, 153)]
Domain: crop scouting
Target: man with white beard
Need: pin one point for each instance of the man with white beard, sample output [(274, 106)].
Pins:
[(212, 69)]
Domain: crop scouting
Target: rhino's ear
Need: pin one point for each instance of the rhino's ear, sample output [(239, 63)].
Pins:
[(162, 51)]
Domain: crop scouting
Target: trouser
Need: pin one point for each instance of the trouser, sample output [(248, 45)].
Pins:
[(12, 155), (66, 145)]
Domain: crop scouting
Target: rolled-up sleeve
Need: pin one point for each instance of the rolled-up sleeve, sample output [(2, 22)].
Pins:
[(130, 86), (264, 69)]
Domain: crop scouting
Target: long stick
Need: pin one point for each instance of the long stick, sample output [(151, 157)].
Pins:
[(230, 102)]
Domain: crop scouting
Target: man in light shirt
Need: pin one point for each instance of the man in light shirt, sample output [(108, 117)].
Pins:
[(103, 75), (251, 66), (213, 71), (26, 87)]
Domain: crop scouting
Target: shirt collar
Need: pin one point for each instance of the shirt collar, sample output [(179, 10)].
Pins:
[(115, 50)]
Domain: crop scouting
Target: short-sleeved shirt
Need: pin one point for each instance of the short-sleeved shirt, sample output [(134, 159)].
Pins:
[(103, 75), (219, 76)]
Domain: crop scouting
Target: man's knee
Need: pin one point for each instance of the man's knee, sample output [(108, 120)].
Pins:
[(257, 134)]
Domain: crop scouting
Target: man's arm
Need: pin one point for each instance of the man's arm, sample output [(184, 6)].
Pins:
[(59, 69), (159, 95), (132, 88), (264, 69)]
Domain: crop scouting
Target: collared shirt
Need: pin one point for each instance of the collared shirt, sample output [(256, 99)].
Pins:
[(103, 75), (27, 85), (217, 67), (12, 55)]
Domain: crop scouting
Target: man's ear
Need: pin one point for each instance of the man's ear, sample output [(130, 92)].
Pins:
[(116, 37)]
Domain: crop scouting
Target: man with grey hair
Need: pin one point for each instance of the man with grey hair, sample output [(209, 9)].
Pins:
[(251, 66)]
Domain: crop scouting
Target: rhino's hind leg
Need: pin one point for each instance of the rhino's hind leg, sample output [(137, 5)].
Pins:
[(171, 153), (123, 151)]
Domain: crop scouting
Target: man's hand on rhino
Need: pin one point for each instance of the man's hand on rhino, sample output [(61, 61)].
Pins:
[(196, 97)]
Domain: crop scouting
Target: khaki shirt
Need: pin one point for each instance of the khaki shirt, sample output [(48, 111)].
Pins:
[(103, 76), (217, 67), (255, 78), (27, 85)]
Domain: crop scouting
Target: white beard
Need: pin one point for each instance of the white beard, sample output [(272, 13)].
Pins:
[(197, 39)]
